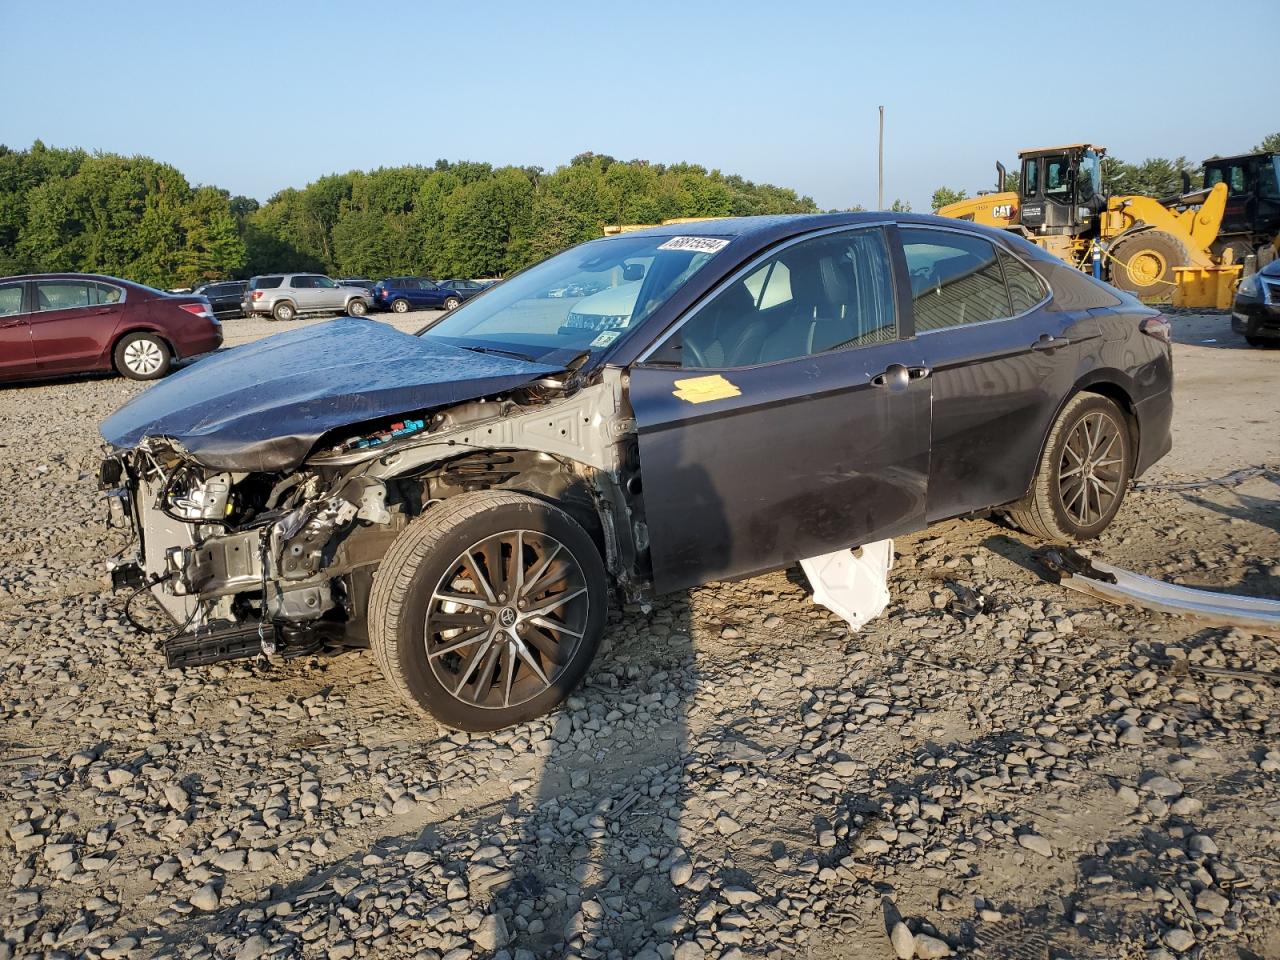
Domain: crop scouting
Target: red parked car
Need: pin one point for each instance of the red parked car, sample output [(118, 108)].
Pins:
[(59, 323)]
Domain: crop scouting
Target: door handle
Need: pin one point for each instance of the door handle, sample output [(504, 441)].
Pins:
[(895, 377), (1047, 342), (918, 373)]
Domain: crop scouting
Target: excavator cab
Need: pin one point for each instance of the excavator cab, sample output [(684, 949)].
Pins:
[(1251, 220), (1061, 190)]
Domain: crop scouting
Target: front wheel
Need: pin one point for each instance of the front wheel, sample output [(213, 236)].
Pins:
[(452, 303), (143, 356), (488, 610), (1083, 473), (357, 308)]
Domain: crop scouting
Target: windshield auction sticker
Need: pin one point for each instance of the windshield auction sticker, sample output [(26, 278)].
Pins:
[(696, 244)]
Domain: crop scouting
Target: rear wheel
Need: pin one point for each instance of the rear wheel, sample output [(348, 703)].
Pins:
[(142, 356), (400, 306), (1083, 473), (284, 312), (452, 303), (1143, 264), (488, 609)]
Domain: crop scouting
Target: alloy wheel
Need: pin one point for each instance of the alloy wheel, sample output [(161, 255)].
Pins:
[(506, 619), (143, 357), (1091, 471)]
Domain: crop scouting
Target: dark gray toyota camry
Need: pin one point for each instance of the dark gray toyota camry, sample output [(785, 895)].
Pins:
[(724, 397)]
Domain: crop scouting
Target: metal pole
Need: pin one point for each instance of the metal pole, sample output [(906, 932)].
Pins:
[(880, 191)]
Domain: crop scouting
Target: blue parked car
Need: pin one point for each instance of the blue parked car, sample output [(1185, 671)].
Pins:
[(402, 294)]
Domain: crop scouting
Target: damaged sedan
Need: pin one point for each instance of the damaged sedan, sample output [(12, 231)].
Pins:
[(467, 501)]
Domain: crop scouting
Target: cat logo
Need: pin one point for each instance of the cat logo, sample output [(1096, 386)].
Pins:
[(1002, 211)]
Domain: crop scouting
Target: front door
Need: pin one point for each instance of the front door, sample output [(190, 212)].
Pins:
[(786, 417), (17, 357)]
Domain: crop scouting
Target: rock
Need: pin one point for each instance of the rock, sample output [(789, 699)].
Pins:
[(727, 825), (1165, 787), (689, 950), (491, 934), (176, 797), (903, 941), (206, 898), (930, 948), (681, 871), (253, 948), (1203, 844), (1036, 844), (1212, 902), (1179, 940)]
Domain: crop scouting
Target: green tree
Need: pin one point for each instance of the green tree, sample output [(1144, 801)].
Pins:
[(944, 196), (1270, 144), (900, 206)]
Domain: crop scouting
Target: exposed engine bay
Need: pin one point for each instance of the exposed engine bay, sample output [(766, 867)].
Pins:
[(281, 562)]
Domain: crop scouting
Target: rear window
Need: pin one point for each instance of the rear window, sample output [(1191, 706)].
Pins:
[(265, 283)]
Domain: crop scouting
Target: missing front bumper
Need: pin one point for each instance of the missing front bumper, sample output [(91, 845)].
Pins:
[(1116, 585)]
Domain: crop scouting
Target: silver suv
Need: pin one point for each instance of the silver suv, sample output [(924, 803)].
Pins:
[(284, 296)]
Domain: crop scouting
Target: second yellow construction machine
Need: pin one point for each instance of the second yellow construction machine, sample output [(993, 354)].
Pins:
[(1153, 250)]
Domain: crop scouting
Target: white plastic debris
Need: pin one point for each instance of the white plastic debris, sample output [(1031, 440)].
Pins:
[(853, 584)]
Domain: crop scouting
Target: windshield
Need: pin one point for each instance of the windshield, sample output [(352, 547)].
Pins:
[(580, 300)]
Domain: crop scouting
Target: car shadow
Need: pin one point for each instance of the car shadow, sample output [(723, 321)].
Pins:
[(564, 868)]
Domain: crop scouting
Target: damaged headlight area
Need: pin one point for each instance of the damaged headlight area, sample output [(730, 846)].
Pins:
[(247, 563)]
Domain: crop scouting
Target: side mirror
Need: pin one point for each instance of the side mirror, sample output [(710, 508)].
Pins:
[(633, 271)]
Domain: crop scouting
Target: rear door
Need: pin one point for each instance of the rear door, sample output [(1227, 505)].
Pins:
[(786, 416), (302, 290), (73, 322), (1003, 360), (17, 356)]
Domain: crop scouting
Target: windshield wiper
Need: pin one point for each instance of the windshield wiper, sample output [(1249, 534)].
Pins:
[(505, 353)]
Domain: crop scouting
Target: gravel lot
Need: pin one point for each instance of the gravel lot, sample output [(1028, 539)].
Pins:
[(740, 777)]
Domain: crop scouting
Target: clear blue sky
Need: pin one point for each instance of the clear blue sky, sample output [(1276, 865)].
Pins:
[(258, 96)]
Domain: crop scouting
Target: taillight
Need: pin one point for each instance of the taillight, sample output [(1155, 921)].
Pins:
[(1158, 327), (257, 295), (196, 309)]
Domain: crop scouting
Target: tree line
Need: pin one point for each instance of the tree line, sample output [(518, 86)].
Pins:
[(137, 218), (1157, 177)]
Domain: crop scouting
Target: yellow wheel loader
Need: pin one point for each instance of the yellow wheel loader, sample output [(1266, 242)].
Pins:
[(1146, 247)]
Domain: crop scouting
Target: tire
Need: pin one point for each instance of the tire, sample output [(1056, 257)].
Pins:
[(452, 303), (142, 356), (1264, 343), (283, 311), (1054, 510), (1143, 264), (443, 552), (400, 306), (357, 308)]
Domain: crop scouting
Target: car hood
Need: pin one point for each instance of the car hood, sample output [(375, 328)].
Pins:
[(263, 406)]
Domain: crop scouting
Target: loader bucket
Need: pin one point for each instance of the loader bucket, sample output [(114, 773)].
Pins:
[(1205, 288)]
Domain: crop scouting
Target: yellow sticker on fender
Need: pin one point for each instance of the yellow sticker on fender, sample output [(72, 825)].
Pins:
[(702, 389)]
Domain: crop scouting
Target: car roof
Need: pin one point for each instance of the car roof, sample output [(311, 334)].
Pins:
[(70, 276), (763, 230)]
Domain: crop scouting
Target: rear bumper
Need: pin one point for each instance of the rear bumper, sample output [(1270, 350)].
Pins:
[(195, 345), (1155, 430)]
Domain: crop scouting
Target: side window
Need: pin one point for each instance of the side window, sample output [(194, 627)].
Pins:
[(955, 279), (301, 283), (106, 293), (1025, 288), (323, 282), (1057, 177), (10, 299), (266, 283), (1030, 178), (65, 294), (825, 293)]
